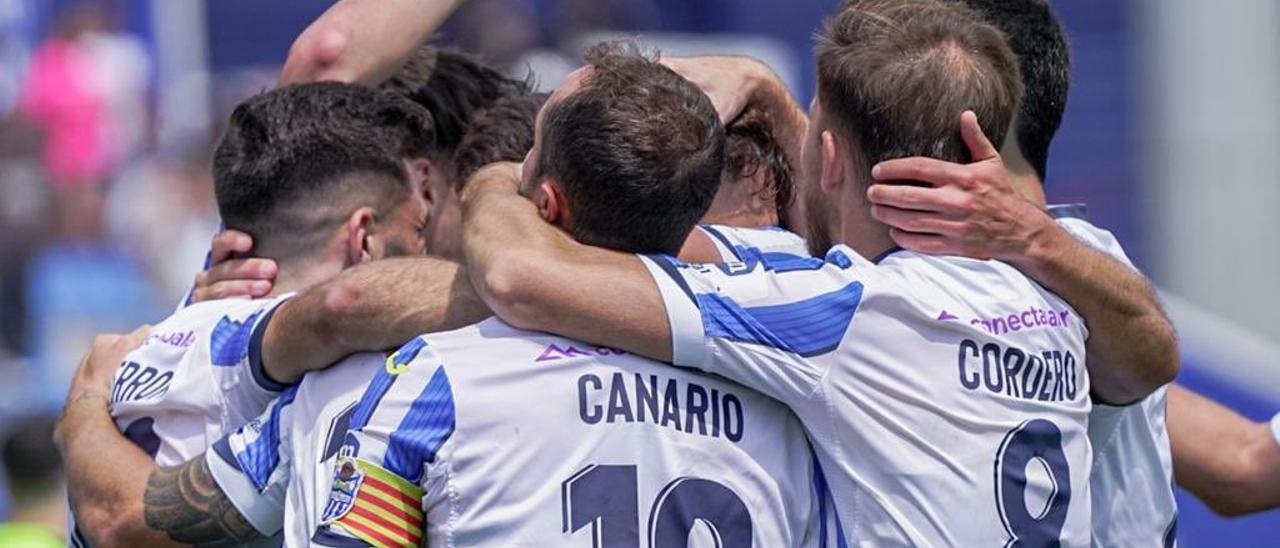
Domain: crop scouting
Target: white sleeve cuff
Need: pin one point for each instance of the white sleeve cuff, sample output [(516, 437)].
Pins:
[(1275, 427), (259, 509), (687, 335)]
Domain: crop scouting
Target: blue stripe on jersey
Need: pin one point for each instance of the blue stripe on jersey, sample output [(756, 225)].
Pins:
[(808, 328), (256, 368), (668, 264), (425, 428), (723, 240), (229, 342), (382, 381), (824, 494), (261, 456)]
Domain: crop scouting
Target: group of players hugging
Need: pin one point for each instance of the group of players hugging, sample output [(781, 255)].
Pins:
[(663, 306)]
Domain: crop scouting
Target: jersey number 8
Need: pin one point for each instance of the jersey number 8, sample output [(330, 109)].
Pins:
[(606, 498)]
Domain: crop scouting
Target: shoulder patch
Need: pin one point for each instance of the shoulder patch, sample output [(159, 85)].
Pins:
[(374, 505)]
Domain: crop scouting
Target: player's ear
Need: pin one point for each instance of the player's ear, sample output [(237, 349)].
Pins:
[(551, 203), (834, 164), (362, 246), (420, 172)]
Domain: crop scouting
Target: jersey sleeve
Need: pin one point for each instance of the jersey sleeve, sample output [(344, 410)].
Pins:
[(760, 323), (1275, 427), (236, 353), (252, 464), (741, 244)]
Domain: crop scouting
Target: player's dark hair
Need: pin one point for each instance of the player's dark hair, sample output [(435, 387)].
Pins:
[(295, 157), (895, 75), (637, 150), (1044, 57), (751, 152), (501, 133), (452, 85)]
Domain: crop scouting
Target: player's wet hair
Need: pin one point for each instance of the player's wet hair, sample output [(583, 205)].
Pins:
[(452, 85), (1044, 58), (752, 153), (295, 160), (895, 75), (501, 133), (637, 150)]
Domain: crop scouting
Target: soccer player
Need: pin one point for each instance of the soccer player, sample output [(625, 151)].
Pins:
[(452, 85), (1131, 445), (451, 442), (928, 385), (318, 172), (1228, 461)]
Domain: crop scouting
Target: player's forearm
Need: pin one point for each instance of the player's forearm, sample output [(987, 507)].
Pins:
[(106, 476), (1226, 460), (1133, 347), (535, 277), (370, 307), (363, 41)]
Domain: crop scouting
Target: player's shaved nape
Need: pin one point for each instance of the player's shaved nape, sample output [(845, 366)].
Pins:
[(296, 160)]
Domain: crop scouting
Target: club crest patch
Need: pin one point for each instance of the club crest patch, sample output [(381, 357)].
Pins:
[(373, 504)]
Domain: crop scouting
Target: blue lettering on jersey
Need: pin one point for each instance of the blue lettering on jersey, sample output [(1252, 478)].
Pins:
[(229, 342), (135, 382), (1044, 376), (637, 398)]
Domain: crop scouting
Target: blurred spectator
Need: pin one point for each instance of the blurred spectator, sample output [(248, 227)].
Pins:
[(60, 97), (33, 470), (163, 209), (85, 89)]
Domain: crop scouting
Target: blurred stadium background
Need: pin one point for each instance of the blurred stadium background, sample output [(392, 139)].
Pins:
[(108, 110)]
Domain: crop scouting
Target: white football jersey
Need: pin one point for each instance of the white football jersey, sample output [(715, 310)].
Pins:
[(737, 244), (1132, 459), (197, 377), (946, 398), (492, 436)]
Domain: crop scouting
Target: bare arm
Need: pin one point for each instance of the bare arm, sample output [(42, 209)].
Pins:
[(106, 500), (973, 211), (535, 277), (373, 306), (1229, 462), (185, 504), (363, 41), (736, 83)]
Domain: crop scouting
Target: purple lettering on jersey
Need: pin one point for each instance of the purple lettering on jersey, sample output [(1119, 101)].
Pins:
[(1031, 318), (555, 352), (180, 339)]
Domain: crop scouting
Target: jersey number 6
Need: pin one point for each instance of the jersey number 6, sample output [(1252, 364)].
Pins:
[(606, 498)]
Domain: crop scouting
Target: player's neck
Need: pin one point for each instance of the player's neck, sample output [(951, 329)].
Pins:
[(300, 274), (742, 204), (1022, 176), (1028, 184)]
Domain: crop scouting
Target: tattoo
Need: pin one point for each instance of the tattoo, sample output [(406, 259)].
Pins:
[(186, 503), (89, 394)]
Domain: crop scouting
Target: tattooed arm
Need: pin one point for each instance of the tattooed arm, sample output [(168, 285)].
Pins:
[(186, 503), (129, 501)]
